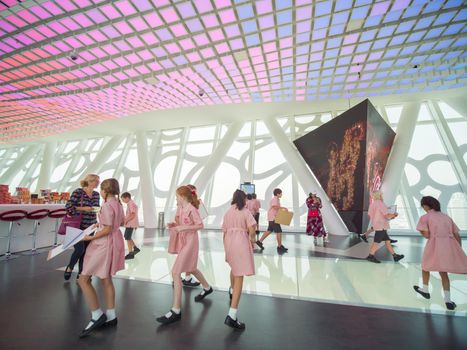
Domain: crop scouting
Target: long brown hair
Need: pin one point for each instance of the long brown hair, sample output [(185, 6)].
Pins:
[(239, 198), (110, 187), (190, 195)]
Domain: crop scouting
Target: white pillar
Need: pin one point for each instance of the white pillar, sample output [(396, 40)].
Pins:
[(47, 165), (18, 164), (306, 177), (400, 150), (453, 151), (102, 156), (216, 158), (146, 181), (459, 104)]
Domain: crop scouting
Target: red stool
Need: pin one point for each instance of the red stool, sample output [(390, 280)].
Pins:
[(36, 215), (11, 216), (57, 214)]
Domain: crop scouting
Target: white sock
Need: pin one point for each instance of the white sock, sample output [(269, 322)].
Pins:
[(447, 296), (95, 316), (233, 313), (187, 278), (111, 315), (424, 289), (177, 311), (205, 290)]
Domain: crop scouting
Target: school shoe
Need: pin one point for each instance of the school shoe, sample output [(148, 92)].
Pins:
[(95, 324), (202, 295), (260, 244), (421, 292), (136, 250), (235, 324), (130, 256), (398, 257), (393, 241), (190, 283), (174, 317), (451, 305), (67, 274), (372, 259), (111, 323), (284, 248)]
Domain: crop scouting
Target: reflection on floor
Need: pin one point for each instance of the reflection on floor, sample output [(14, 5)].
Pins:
[(335, 273)]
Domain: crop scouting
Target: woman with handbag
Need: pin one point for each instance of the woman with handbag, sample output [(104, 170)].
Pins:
[(314, 222), (83, 202), (443, 251)]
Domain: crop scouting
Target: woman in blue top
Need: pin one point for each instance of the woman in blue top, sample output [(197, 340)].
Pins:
[(84, 201)]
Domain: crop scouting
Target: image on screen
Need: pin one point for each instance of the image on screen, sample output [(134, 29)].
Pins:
[(248, 188)]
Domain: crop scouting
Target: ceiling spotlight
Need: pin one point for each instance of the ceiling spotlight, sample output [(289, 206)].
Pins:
[(201, 92), (74, 55), (415, 66)]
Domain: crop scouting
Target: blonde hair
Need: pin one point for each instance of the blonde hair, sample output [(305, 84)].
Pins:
[(87, 179), (377, 195)]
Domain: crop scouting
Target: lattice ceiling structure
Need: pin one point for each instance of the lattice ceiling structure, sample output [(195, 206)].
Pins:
[(141, 55)]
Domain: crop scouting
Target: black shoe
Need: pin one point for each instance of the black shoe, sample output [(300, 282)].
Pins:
[(130, 256), (111, 323), (284, 248), (202, 295), (167, 320), (421, 292), (95, 324), (451, 305), (67, 274), (235, 324), (398, 257), (190, 283), (136, 250), (393, 241), (363, 237), (373, 259), (260, 244)]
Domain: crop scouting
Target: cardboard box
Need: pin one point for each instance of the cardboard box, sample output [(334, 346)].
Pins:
[(284, 217)]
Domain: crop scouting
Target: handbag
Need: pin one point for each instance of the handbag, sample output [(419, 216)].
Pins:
[(70, 221)]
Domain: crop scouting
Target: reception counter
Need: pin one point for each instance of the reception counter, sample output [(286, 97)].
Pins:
[(22, 230)]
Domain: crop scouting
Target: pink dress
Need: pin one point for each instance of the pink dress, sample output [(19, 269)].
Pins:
[(442, 251), (238, 250), (251, 206), (272, 212), (186, 242), (131, 207), (377, 212), (105, 256)]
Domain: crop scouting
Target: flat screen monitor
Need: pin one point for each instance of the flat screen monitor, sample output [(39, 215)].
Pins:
[(247, 188)]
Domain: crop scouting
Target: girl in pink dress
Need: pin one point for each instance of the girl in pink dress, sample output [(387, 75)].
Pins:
[(239, 231), (380, 216), (104, 256), (184, 241), (443, 251)]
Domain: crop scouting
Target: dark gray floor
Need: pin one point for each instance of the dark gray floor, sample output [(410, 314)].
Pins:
[(41, 311)]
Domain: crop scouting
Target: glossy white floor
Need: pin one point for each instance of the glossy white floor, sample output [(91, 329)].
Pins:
[(339, 278)]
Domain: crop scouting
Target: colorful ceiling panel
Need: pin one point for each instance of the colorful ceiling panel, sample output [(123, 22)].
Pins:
[(65, 64)]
